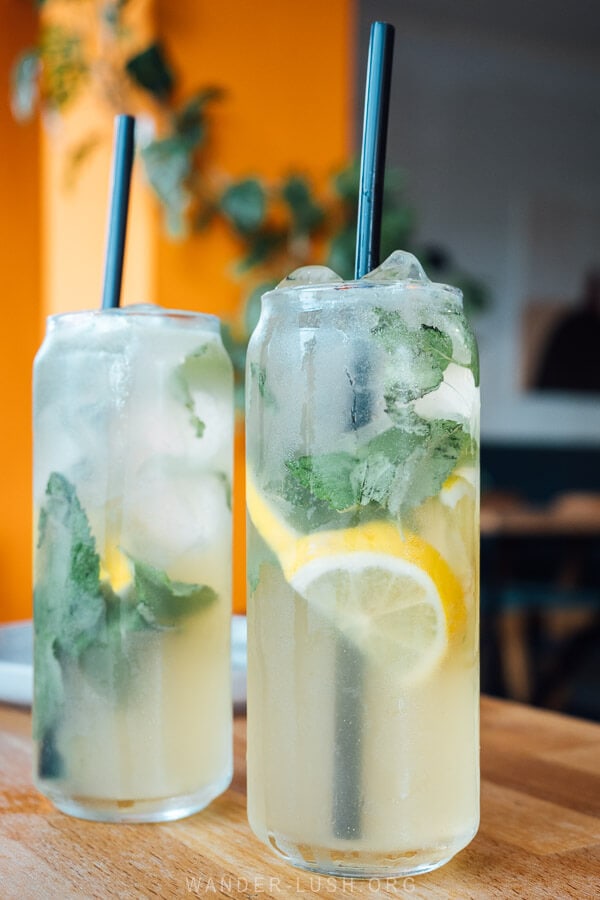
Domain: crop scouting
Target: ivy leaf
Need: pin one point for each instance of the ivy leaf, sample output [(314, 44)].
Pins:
[(306, 214), (190, 120), (24, 85), (204, 213), (244, 205), (150, 70), (261, 246), (64, 67), (168, 164)]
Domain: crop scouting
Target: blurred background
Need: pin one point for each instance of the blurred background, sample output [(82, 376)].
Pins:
[(249, 122)]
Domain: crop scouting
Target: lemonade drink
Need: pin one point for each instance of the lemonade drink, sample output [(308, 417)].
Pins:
[(132, 593), (362, 493)]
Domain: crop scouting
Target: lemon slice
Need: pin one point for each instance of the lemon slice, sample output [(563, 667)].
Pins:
[(389, 592), (271, 527), (460, 484), (116, 569)]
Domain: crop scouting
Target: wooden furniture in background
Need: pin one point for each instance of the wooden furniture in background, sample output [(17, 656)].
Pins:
[(560, 603)]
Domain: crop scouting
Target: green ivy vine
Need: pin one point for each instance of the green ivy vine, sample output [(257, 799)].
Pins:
[(278, 225)]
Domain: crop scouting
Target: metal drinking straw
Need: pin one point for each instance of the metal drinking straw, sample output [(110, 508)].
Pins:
[(119, 205), (349, 664)]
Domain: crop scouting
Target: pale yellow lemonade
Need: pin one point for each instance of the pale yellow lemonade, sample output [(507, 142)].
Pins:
[(133, 463), (362, 494)]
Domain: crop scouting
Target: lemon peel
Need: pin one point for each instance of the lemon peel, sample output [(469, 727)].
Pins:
[(383, 587)]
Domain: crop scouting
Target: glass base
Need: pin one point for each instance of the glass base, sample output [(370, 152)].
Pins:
[(157, 809), (366, 864)]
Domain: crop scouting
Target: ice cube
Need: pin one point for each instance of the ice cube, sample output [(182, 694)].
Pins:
[(142, 308), (399, 266), (456, 398), (170, 508), (310, 275)]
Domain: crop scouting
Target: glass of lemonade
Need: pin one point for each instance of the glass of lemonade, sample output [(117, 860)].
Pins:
[(133, 419), (362, 494)]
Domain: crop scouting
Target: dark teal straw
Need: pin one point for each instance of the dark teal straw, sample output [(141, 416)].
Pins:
[(372, 162), (347, 801), (119, 205)]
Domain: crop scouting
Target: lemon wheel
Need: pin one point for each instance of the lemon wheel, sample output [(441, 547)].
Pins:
[(389, 592)]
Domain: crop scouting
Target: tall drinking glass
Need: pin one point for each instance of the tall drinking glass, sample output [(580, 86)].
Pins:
[(362, 493), (133, 415)]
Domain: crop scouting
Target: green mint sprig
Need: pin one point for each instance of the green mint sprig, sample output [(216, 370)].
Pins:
[(182, 381), (421, 355), (259, 373), (395, 471), (81, 625)]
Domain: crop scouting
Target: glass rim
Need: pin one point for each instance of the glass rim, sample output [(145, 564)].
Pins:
[(436, 290), (137, 310)]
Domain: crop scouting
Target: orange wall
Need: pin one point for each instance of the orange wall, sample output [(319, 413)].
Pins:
[(287, 72), (21, 320), (74, 217)]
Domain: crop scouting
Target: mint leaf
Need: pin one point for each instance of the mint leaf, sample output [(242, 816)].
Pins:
[(163, 602), (326, 478), (404, 417), (153, 605), (401, 468), (259, 372), (471, 344), (68, 567), (185, 376), (81, 626), (376, 468), (226, 482), (420, 356), (68, 604), (395, 471), (427, 465)]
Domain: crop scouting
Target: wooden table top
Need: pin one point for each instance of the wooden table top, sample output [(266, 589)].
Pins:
[(539, 834)]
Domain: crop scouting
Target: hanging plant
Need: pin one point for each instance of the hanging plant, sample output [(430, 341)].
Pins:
[(278, 225)]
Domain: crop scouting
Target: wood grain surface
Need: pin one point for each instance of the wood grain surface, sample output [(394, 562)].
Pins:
[(539, 835)]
